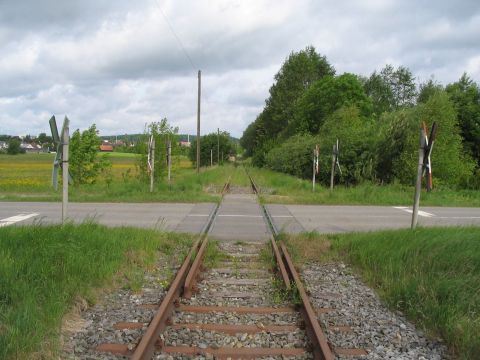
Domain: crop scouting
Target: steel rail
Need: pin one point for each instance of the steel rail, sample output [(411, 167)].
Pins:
[(190, 282), (276, 252), (321, 349), (151, 339), (146, 347)]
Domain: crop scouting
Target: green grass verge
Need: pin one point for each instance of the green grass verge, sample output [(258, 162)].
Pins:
[(45, 269), (239, 177), (432, 275), (28, 178), (286, 189)]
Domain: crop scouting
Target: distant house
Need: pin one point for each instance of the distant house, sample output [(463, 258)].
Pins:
[(105, 147), (31, 148), (185, 143)]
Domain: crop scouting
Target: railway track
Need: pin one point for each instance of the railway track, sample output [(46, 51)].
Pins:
[(250, 304)]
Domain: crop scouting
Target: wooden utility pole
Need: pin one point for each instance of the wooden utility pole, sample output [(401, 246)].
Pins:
[(169, 158), (332, 175), (211, 157), (418, 185), (218, 146), (65, 141), (152, 162), (198, 119)]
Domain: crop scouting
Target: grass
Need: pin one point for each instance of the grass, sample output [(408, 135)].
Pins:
[(46, 269), (240, 177), (286, 189), (213, 254), (28, 178), (431, 275)]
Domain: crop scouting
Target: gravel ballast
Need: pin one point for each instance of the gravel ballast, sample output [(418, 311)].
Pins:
[(383, 333)]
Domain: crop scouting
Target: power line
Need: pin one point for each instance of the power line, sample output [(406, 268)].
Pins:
[(176, 37)]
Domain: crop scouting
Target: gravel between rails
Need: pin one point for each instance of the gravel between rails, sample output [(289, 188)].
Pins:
[(95, 325), (384, 334), (262, 296)]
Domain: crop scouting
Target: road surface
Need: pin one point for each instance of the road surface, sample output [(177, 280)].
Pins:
[(241, 215)]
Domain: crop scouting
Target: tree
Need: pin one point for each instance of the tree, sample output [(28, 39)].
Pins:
[(357, 149), (247, 140), (162, 133), (427, 90), (45, 141), (85, 164), (296, 75), (326, 96), (403, 86), (357, 143), (400, 148), (208, 143), (465, 95), (14, 148), (391, 89), (380, 93), (293, 156)]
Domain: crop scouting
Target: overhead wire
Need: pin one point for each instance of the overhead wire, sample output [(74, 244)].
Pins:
[(179, 41)]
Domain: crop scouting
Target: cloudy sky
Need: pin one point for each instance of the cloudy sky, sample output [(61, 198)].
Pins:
[(117, 63)]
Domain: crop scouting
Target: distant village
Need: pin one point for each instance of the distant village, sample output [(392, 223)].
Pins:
[(44, 144)]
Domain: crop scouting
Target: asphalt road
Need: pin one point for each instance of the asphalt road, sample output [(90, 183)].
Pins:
[(239, 216), (156, 215), (337, 219)]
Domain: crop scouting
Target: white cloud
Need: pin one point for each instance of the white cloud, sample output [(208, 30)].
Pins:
[(118, 64)]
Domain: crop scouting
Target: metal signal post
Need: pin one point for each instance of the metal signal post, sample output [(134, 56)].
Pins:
[(61, 161), (424, 167), (151, 159), (316, 153), (335, 163)]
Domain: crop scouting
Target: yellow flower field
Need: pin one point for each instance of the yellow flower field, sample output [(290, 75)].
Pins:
[(33, 172)]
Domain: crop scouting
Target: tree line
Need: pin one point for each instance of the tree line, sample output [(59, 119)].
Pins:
[(376, 119)]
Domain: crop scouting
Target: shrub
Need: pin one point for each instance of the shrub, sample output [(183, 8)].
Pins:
[(398, 151)]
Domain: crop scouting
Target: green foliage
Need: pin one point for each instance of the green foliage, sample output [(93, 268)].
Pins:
[(248, 139), (399, 147), (327, 95), (427, 90), (294, 156), (391, 89), (84, 163), (260, 155), (209, 143), (357, 144), (281, 188), (357, 149), (297, 73), (13, 147), (163, 133), (465, 95)]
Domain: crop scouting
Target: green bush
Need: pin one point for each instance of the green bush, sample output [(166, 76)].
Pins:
[(357, 141), (294, 156), (398, 151), (357, 149)]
